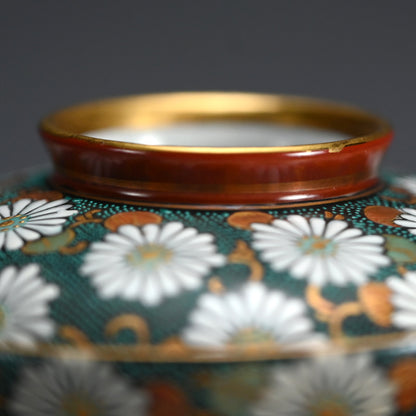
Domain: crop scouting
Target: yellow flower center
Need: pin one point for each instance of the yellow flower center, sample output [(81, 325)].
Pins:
[(79, 405), (9, 223), (149, 256), (6, 223), (251, 336), (320, 244), (317, 245), (331, 406)]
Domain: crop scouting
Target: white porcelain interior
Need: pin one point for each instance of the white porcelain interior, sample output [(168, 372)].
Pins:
[(220, 134)]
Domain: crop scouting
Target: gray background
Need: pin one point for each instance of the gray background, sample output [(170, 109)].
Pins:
[(57, 53)]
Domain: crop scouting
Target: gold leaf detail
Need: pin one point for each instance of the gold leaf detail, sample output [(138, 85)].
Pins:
[(88, 217), (215, 285), (132, 322), (244, 219), (342, 312), (382, 215), (75, 336), (82, 245), (137, 218), (322, 306), (243, 254), (375, 300)]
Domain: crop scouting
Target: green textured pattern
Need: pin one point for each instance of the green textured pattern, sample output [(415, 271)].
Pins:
[(208, 389), (80, 306)]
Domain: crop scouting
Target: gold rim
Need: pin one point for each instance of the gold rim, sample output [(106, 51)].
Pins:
[(165, 354), (149, 111)]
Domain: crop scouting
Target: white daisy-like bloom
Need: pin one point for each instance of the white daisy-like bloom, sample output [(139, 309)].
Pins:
[(24, 306), (29, 220), (328, 386), (151, 262), (407, 219), (403, 299), (320, 251), (64, 388), (253, 315)]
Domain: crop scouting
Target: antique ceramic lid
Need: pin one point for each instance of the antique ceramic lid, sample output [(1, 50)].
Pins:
[(227, 250), (203, 246), (215, 149)]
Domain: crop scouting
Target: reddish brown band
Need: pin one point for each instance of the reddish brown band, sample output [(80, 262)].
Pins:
[(139, 173)]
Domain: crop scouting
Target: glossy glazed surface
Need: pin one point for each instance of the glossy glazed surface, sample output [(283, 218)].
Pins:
[(215, 176), (209, 281), (186, 311)]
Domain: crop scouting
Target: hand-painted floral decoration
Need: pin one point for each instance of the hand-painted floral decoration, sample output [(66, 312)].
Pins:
[(254, 315), (151, 263), (199, 294), (328, 386), (407, 219), (320, 251), (76, 388), (24, 306), (403, 298), (29, 220)]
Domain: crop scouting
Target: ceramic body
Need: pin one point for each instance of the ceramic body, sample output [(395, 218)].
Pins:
[(209, 308)]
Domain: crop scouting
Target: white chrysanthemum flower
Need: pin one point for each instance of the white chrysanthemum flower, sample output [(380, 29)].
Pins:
[(28, 220), (24, 309), (408, 183), (330, 386), (403, 299), (320, 251), (76, 388), (254, 315), (407, 219), (151, 262)]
